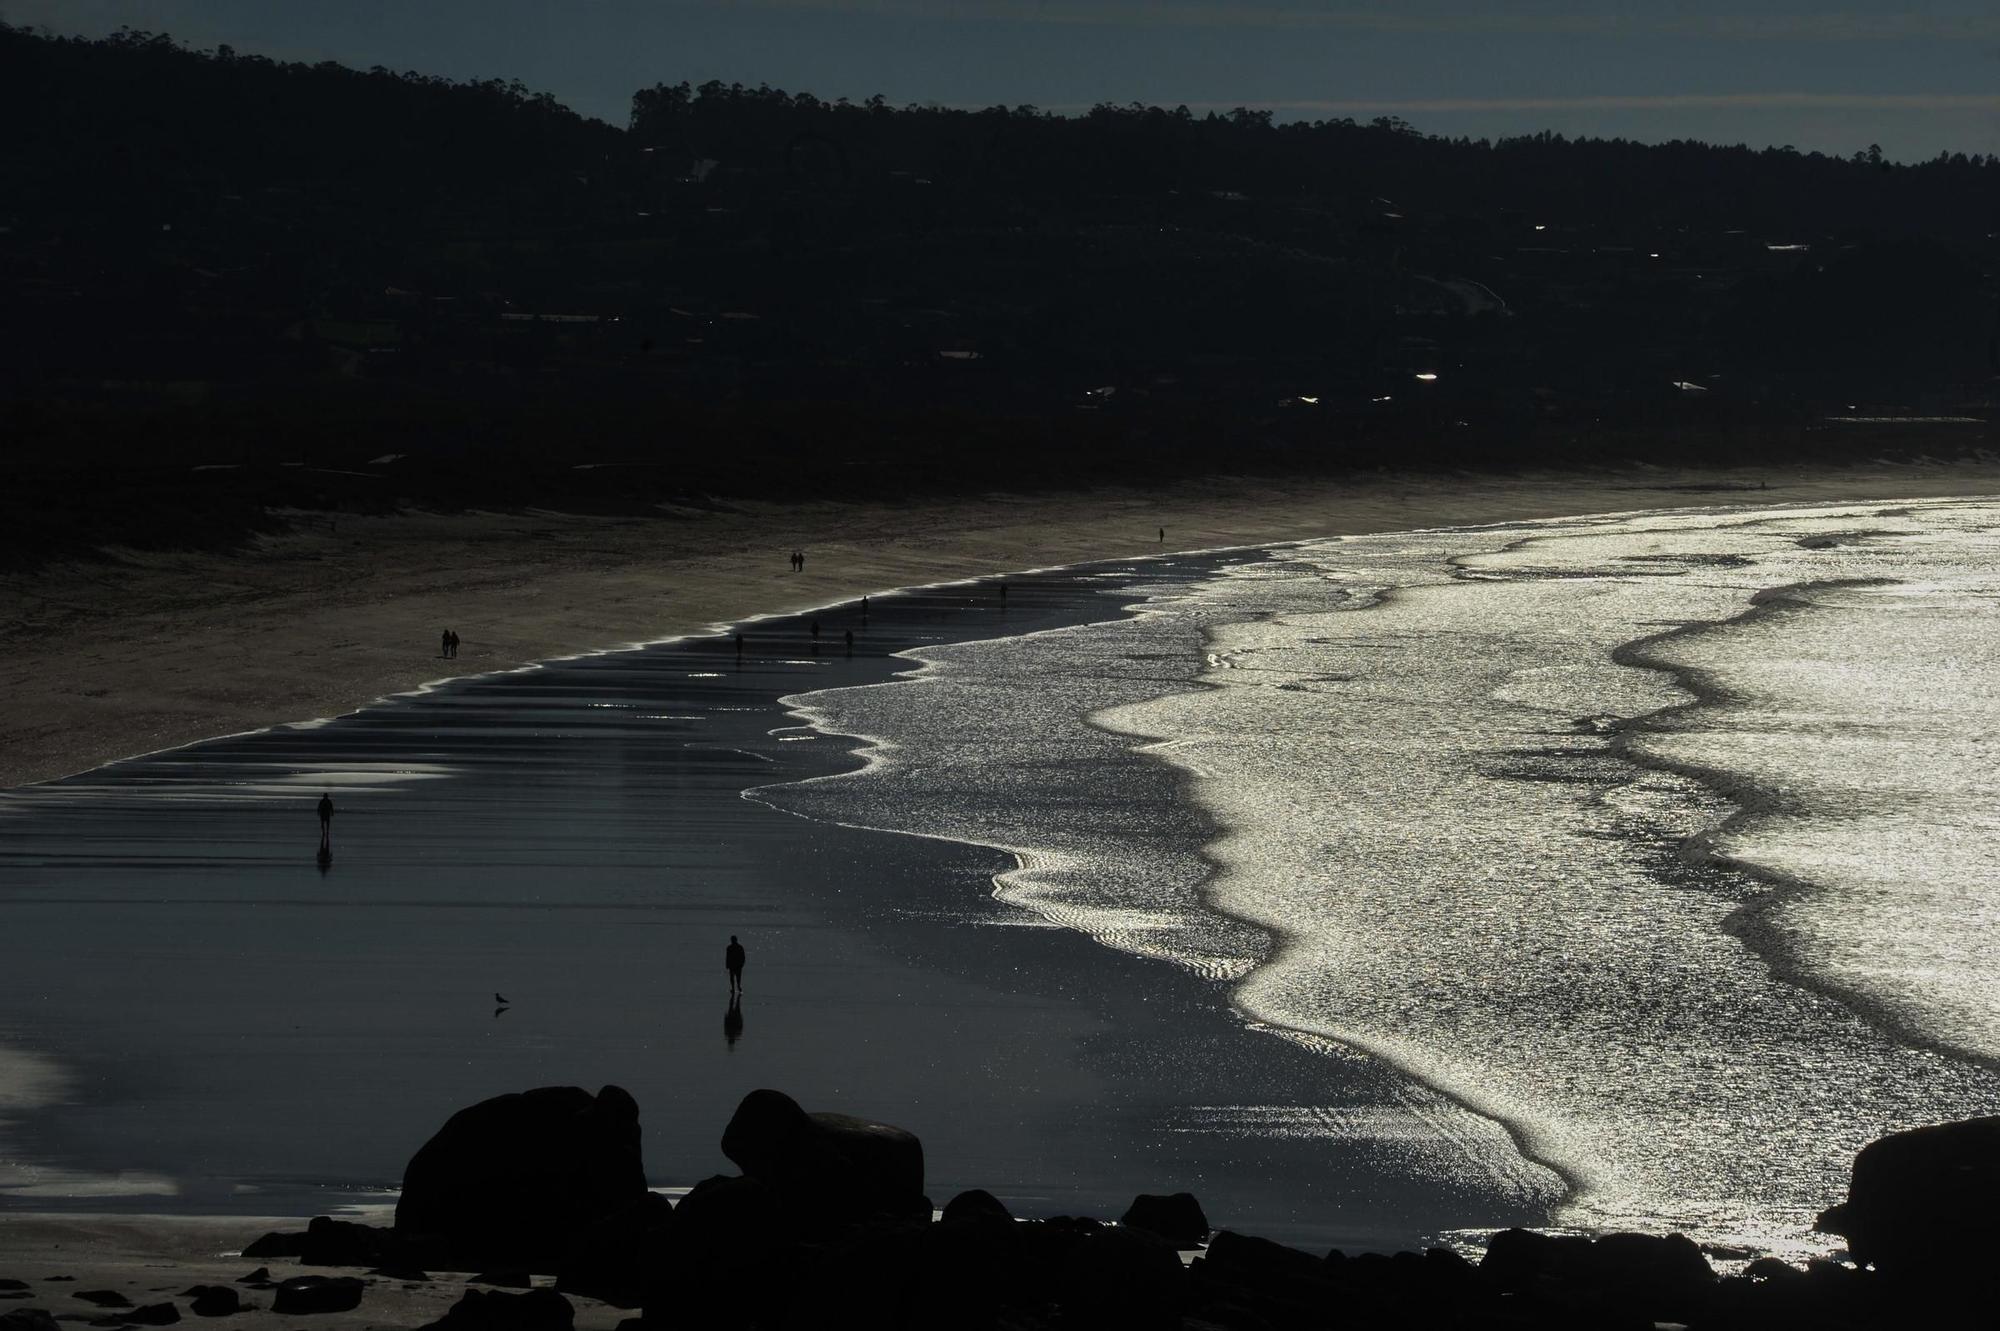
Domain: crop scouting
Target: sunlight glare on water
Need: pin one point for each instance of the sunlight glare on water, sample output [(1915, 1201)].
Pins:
[(1659, 839)]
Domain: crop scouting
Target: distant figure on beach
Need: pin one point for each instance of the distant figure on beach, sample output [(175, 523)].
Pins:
[(814, 626), (864, 610), (444, 643), (1163, 536), (1003, 593), (732, 960), (453, 635), (801, 558), (850, 642), (326, 824), (739, 644), (732, 1021)]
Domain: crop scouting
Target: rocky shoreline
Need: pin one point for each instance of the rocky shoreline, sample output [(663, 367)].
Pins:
[(541, 1196)]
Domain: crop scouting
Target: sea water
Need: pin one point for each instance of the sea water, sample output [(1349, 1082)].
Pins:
[(1664, 841)]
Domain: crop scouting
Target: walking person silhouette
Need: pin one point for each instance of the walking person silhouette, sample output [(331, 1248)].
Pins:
[(732, 960), (326, 822)]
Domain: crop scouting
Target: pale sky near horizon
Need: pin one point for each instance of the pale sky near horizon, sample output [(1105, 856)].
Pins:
[(1832, 75)]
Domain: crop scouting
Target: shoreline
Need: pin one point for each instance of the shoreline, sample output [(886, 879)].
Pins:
[(143, 653)]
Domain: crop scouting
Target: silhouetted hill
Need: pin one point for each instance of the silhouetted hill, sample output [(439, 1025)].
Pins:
[(284, 274)]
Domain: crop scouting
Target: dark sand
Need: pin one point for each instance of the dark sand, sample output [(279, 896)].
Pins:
[(200, 1020)]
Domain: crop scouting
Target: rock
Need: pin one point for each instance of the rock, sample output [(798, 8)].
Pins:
[(511, 1180), (836, 1167), (1123, 1280), (491, 1310), (153, 1314), (1177, 1218), (763, 1132), (261, 1276), (214, 1301), (27, 1319), (608, 1260), (974, 1204), (727, 1254), (276, 1244), (1518, 1260), (103, 1298), (317, 1294), (331, 1242), (512, 1279), (1926, 1200)]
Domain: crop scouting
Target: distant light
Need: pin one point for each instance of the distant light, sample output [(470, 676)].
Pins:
[(1384, 398), (1687, 387), (1652, 256), (1540, 227), (1428, 377), (1309, 401)]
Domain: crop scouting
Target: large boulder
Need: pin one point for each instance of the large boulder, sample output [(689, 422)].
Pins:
[(608, 1260), (512, 1180), (831, 1167), (1176, 1217), (728, 1258), (1923, 1201)]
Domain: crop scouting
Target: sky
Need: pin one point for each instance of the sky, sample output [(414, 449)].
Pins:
[(1827, 75)]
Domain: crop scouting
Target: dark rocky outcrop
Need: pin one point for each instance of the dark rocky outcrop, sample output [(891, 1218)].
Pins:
[(607, 1260), (152, 1314), (1923, 1202), (318, 1294), (1177, 1218), (213, 1301), (28, 1319), (829, 1166), (277, 1244), (511, 1180), (975, 1204), (492, 1310)]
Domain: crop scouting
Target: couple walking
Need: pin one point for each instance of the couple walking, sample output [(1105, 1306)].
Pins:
[(448, 644)]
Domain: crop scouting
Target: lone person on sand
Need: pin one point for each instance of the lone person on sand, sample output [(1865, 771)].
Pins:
[(325, 821), (732, 958)]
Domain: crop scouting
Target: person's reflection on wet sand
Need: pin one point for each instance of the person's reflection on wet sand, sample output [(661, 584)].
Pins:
[(325, 858), (732, 1021)]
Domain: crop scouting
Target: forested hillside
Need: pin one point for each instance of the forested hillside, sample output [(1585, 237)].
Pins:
[(284, 274)]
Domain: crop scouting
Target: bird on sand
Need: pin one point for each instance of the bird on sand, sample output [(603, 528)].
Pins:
[(501, 999)]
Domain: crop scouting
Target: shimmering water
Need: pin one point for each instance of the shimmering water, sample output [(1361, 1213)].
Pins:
[(1662, 841)]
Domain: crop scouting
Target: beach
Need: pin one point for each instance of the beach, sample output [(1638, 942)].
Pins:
[(944, 1011), (145, 651)]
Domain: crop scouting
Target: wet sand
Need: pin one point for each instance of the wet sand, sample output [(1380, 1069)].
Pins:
[(145, 651), (256, 1033)]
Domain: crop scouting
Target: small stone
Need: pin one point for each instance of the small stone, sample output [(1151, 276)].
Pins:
[(318, 1294), (214, 1301)]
